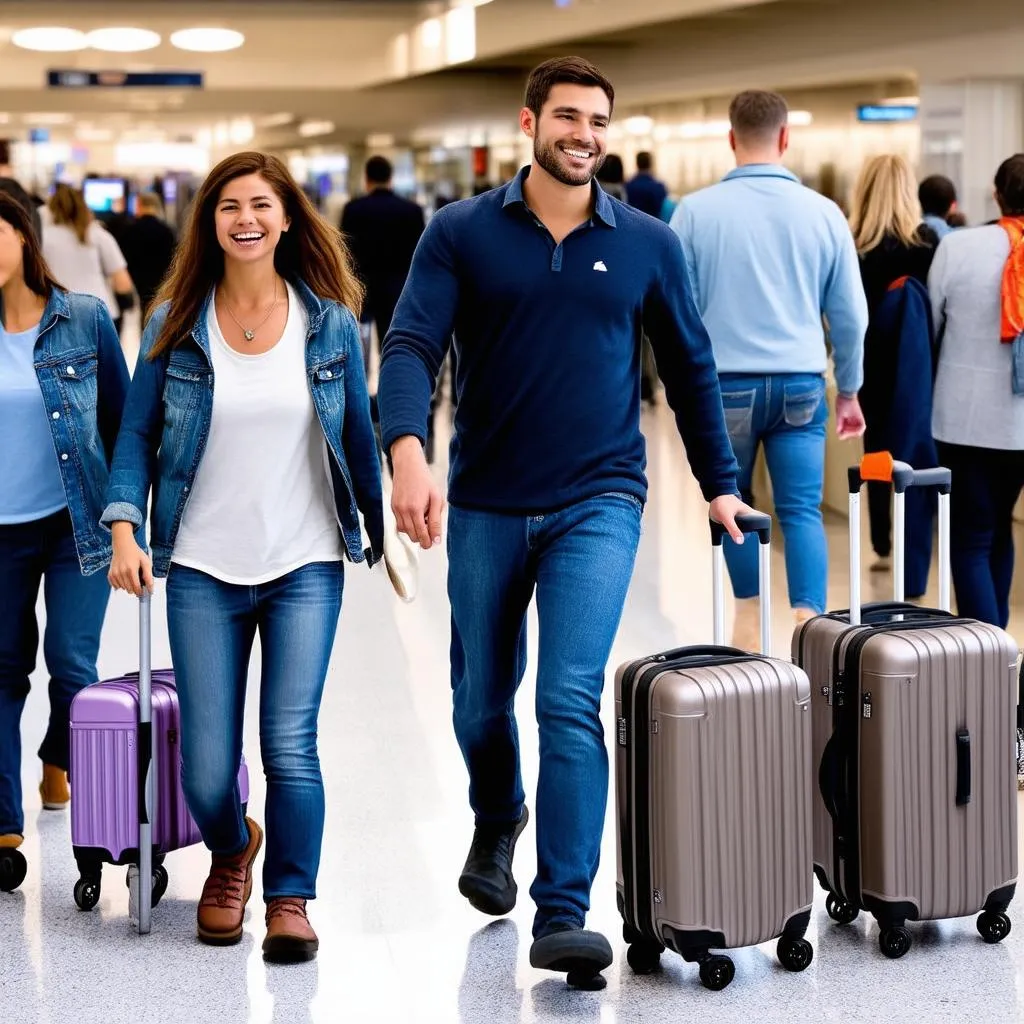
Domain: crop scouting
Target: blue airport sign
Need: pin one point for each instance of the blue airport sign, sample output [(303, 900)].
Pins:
[(886, 114), (73, 78)]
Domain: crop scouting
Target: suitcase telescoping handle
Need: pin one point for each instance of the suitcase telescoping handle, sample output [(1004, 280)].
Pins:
[(752, 523), (881, 467), (147, 767)]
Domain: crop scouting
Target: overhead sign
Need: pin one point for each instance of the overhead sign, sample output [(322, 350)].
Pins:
[(881, 112), (78, 79)]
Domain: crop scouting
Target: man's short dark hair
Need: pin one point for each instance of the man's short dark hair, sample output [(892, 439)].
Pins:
[(937, 195), (644, 162), (564, 71), (378, 170), (757, 115), (1010, 186)]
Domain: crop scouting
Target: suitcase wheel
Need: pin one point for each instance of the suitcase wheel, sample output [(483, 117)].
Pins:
[(643, 957), (993, 927), (716, 972), (894, 942), (87, 893), (13, 869), (795, 954), (839, 910)]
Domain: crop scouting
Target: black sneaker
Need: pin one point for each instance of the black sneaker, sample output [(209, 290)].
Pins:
[(572, 950), (486, 880)]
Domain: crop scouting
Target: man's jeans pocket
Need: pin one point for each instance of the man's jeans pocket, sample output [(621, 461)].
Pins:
[(801, 401), (739, 412), (632, 499)]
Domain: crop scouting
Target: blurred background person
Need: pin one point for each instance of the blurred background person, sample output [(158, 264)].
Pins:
[(381, 229), (937, 195), (895, 246), (612, 176), (83, 255), (148, 249), (977, 296), (644, 191)]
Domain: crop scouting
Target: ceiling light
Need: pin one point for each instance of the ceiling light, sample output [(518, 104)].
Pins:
[(123, 40), (639, 125), (50, 39), (275, 120), (800, 118), (310, 128), (47, 117), (207, 40), (90, 134)]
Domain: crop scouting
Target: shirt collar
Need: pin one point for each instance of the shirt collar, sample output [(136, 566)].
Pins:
[(603, 208), (761, 171)]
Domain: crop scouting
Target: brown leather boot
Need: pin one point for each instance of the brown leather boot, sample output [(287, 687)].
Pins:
[(226, 893), (54, 788), (290, 939)]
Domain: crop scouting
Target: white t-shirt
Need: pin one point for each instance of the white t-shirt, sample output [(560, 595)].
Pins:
[(262, 504), (84, 266)]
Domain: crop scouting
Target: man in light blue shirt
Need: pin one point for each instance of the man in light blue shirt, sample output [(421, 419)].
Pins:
[(771, 263)]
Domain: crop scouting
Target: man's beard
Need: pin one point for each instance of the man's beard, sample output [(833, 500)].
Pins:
[(548, 157)]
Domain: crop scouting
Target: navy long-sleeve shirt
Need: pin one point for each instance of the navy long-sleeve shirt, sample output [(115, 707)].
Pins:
[(547, 344)]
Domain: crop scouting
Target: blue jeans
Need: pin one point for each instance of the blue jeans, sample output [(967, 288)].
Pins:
[(787, 413), (30, 553), (212, 626), (986, 486), (579, 560)]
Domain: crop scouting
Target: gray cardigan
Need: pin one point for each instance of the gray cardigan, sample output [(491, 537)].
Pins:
[(974, 403)]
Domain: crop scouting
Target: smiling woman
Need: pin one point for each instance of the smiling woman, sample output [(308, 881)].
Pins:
[(256, 499)]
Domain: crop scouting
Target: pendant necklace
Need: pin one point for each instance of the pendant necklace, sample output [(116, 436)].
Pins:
[(250, 332)]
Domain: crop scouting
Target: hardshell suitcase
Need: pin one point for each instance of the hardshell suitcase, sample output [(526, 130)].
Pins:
[(914, 717), (110, 762), (713, 794)]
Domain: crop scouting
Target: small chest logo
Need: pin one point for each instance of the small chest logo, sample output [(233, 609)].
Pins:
[(599, 265)]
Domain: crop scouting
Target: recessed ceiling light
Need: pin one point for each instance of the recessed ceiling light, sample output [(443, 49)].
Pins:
[(800, 118), (275, 120), (310, 128), (123, 40), (48, 117), (207, 40), (50, 39)]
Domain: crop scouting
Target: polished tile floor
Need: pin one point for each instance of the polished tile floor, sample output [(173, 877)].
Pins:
[(398, 943)]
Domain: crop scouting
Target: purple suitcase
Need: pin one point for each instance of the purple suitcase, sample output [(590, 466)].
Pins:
[(105, 774)]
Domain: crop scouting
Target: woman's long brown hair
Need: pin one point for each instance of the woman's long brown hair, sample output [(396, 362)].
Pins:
[(68, 207), (311, 250), (35, 270)]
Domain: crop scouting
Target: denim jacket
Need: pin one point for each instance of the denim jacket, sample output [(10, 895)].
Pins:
[(167, 422), (84, 380)]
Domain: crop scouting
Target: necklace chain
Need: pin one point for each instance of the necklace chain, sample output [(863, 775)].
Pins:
[(250, 332)]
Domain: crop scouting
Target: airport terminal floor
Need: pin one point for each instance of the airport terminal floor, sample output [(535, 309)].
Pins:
[(397, 941)]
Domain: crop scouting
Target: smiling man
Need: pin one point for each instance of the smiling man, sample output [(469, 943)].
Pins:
[(548, 284)]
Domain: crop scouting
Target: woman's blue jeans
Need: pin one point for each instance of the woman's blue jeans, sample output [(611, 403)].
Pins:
[(212, 626)]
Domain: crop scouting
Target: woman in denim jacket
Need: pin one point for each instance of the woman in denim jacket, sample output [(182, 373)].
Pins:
[(248, 415), (63, 382)]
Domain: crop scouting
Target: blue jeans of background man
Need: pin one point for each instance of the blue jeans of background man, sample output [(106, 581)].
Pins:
[(30, 553), (212, 625), (579, 560), (987, 484), (786, 413)]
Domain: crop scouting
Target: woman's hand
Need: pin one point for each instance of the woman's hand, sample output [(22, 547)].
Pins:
[(131, 568)]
